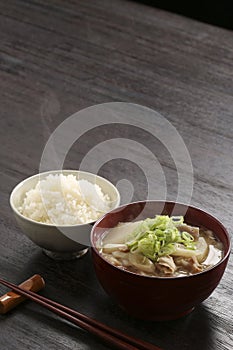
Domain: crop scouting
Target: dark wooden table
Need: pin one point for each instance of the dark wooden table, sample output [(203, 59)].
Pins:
[(58, 57)]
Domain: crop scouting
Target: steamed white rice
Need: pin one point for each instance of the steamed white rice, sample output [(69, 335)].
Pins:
[(63, 200)]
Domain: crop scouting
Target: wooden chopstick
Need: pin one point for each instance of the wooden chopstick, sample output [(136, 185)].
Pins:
[(110, 335)]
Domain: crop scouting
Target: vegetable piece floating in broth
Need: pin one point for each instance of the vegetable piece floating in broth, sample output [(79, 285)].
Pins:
[(162, 246)]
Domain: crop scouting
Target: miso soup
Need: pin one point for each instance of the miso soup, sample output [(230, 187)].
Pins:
[(162, 246)]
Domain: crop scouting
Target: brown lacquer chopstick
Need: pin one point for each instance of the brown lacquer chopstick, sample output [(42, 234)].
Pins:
[(110, 335)]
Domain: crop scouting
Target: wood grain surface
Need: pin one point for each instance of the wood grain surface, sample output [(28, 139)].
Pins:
[(59, 57)]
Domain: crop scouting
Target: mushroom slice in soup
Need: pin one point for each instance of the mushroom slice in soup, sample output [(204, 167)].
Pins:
[(109, 248), (165, 265), (120, 255), (123, 257), (141, 262), (112, 260)]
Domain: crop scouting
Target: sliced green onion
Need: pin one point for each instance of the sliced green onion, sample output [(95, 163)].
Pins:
[(158, 237)]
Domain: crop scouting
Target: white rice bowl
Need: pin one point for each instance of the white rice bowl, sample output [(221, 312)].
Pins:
[(63, 200)]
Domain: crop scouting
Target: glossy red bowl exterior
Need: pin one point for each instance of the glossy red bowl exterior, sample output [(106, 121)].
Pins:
[(157, 298)]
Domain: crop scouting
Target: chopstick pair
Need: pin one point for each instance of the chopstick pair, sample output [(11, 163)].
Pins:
[(109, 335)]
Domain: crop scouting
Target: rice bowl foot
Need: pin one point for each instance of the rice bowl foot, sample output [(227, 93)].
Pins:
[(65, 256)]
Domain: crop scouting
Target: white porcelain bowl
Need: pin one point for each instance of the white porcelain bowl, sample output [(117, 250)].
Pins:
[(59, 242)]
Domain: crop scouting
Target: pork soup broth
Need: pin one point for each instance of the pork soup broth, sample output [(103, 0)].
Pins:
[(162, 246)]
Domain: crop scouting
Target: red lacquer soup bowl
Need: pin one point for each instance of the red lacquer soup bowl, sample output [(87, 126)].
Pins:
[(157, 298)]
